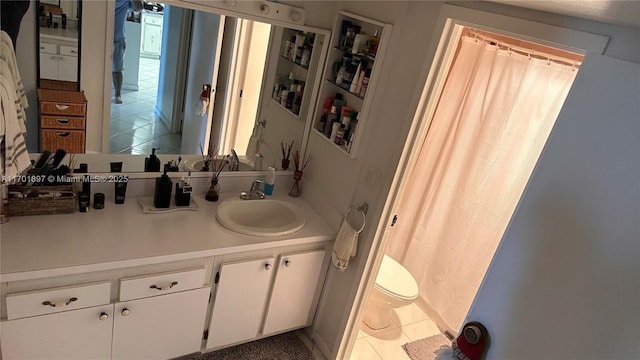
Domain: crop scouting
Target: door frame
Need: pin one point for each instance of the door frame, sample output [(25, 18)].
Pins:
[(433, 75)]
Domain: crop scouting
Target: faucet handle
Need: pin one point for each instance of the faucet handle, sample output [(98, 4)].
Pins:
[(257, 184)]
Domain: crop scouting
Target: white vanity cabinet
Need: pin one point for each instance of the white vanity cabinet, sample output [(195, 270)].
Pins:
[(249, 303), (59, 61), (294, 291), (60, 323), (163, 312), (240, 301), (151, 34)]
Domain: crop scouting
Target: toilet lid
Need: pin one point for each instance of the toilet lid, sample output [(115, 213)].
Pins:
[(394, 280)]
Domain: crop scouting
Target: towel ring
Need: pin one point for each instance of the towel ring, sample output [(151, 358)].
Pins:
[(363, 210)]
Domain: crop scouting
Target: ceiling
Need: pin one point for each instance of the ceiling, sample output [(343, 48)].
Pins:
[(619, 12)]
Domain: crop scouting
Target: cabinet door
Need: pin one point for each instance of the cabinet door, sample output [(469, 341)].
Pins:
[(68, 68), (160, 327), (152, 40), (294, 291), (240, 301), (76, 334), (48, 66)]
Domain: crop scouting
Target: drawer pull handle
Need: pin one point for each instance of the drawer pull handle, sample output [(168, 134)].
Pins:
[(125, 312), (267, 266), (62, 121), (61, 303), (162, 288), (103, 316), (63, 134), (62, 107), (287, 263)]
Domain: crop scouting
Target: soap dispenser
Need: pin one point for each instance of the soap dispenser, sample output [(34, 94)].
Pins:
[(152, 163), (162, 194)]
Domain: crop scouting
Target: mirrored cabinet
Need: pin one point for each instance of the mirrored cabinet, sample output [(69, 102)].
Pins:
[(358, 46)]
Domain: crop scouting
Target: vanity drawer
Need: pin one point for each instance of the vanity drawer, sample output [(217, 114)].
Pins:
[(71, 141), (68, 50), (48, 48), (160, 284), (62, 122), (61, 108), (41, 302)]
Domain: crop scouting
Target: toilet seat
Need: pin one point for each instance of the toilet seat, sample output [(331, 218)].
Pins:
[(396, 281)]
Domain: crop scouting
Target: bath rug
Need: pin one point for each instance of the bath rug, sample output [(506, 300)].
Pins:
[(287, 346), (436, 347)]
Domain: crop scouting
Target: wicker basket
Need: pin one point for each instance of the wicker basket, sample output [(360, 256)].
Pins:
[(37, 204)]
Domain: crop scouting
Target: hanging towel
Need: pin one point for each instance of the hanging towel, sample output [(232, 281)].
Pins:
[(13, 148), (11, 71), (253, 146), (345, 247)]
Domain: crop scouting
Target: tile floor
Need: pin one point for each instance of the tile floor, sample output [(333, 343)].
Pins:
[(410, 323), (134, 127)]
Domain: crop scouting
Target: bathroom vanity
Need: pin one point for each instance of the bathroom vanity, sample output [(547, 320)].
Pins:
[(117, 283)]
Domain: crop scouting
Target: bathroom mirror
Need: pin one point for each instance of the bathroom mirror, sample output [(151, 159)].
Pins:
[(279, 122), (58, 24)]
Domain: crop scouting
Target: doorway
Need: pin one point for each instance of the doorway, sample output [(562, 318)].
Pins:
[(493, 106)]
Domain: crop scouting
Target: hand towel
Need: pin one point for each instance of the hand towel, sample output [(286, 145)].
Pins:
[(345, 246)]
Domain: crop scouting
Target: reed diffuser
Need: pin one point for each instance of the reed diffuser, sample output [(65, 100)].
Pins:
[(213, 194), (286, 153), (296, 188)]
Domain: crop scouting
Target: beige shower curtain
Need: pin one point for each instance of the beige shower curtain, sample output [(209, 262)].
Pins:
[(493, 118)]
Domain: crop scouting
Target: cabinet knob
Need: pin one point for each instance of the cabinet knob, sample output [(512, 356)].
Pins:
[(287, 263), (268, 266), (125, 312), (103, 316)]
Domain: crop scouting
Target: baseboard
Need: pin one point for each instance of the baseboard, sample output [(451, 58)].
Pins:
[(160, 115), (133, 87), (321, 345)]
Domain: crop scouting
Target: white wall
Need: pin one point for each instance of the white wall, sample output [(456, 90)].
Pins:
[(564, 282), (171, 32)]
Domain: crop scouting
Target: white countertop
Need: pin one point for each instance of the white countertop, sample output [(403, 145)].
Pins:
[(122, 236), (59, 34)]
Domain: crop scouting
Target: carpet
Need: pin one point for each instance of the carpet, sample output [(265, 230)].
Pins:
[(436, 347), (287, 346)]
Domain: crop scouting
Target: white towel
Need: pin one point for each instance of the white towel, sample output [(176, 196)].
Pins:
[(345, 247), (13, 148)]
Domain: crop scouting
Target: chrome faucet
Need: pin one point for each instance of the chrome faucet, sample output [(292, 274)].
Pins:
[(234, 162), (255, 193)]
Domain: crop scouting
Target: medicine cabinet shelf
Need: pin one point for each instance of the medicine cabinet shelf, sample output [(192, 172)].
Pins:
[(358, 46), (294, 63), (346, 91), (284, 108)]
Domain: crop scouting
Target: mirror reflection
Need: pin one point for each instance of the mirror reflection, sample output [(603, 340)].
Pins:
[(58, 44), (173, 55)]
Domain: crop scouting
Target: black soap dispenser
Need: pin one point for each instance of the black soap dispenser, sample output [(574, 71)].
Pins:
[(152, 163), (162, 195)]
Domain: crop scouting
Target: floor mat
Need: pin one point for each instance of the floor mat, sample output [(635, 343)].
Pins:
[(431, 348), (287, 346)]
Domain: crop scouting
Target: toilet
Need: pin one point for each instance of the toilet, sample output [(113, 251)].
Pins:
[(394, 287)]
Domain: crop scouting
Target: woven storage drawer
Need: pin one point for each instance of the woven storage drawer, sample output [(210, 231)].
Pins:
[(59, 102), (33, 202), (71, 141), (62, 122)]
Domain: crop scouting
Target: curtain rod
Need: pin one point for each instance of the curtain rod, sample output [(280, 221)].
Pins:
[(529, 52)]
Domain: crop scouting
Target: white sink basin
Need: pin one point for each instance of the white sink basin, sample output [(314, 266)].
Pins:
[(196, 165), (265, 217)]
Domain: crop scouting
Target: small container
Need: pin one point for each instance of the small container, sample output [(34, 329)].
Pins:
[(339, 135), (152, 163), (285, 164), (270, 181), (296, 187), (83, 202), (334, 131), (213, 194), (98, 201)]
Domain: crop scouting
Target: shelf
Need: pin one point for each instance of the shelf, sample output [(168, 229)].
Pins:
[(346, 91), (369, 57), (284, 108), (341, 148), (294, 63)]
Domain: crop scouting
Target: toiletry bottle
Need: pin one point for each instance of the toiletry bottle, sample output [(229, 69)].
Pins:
[(339, 135), (152, 163), (333, 117), (162, 194), (270, 181), (183, 192), (297, 100), (120, 183), (334, 131)]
